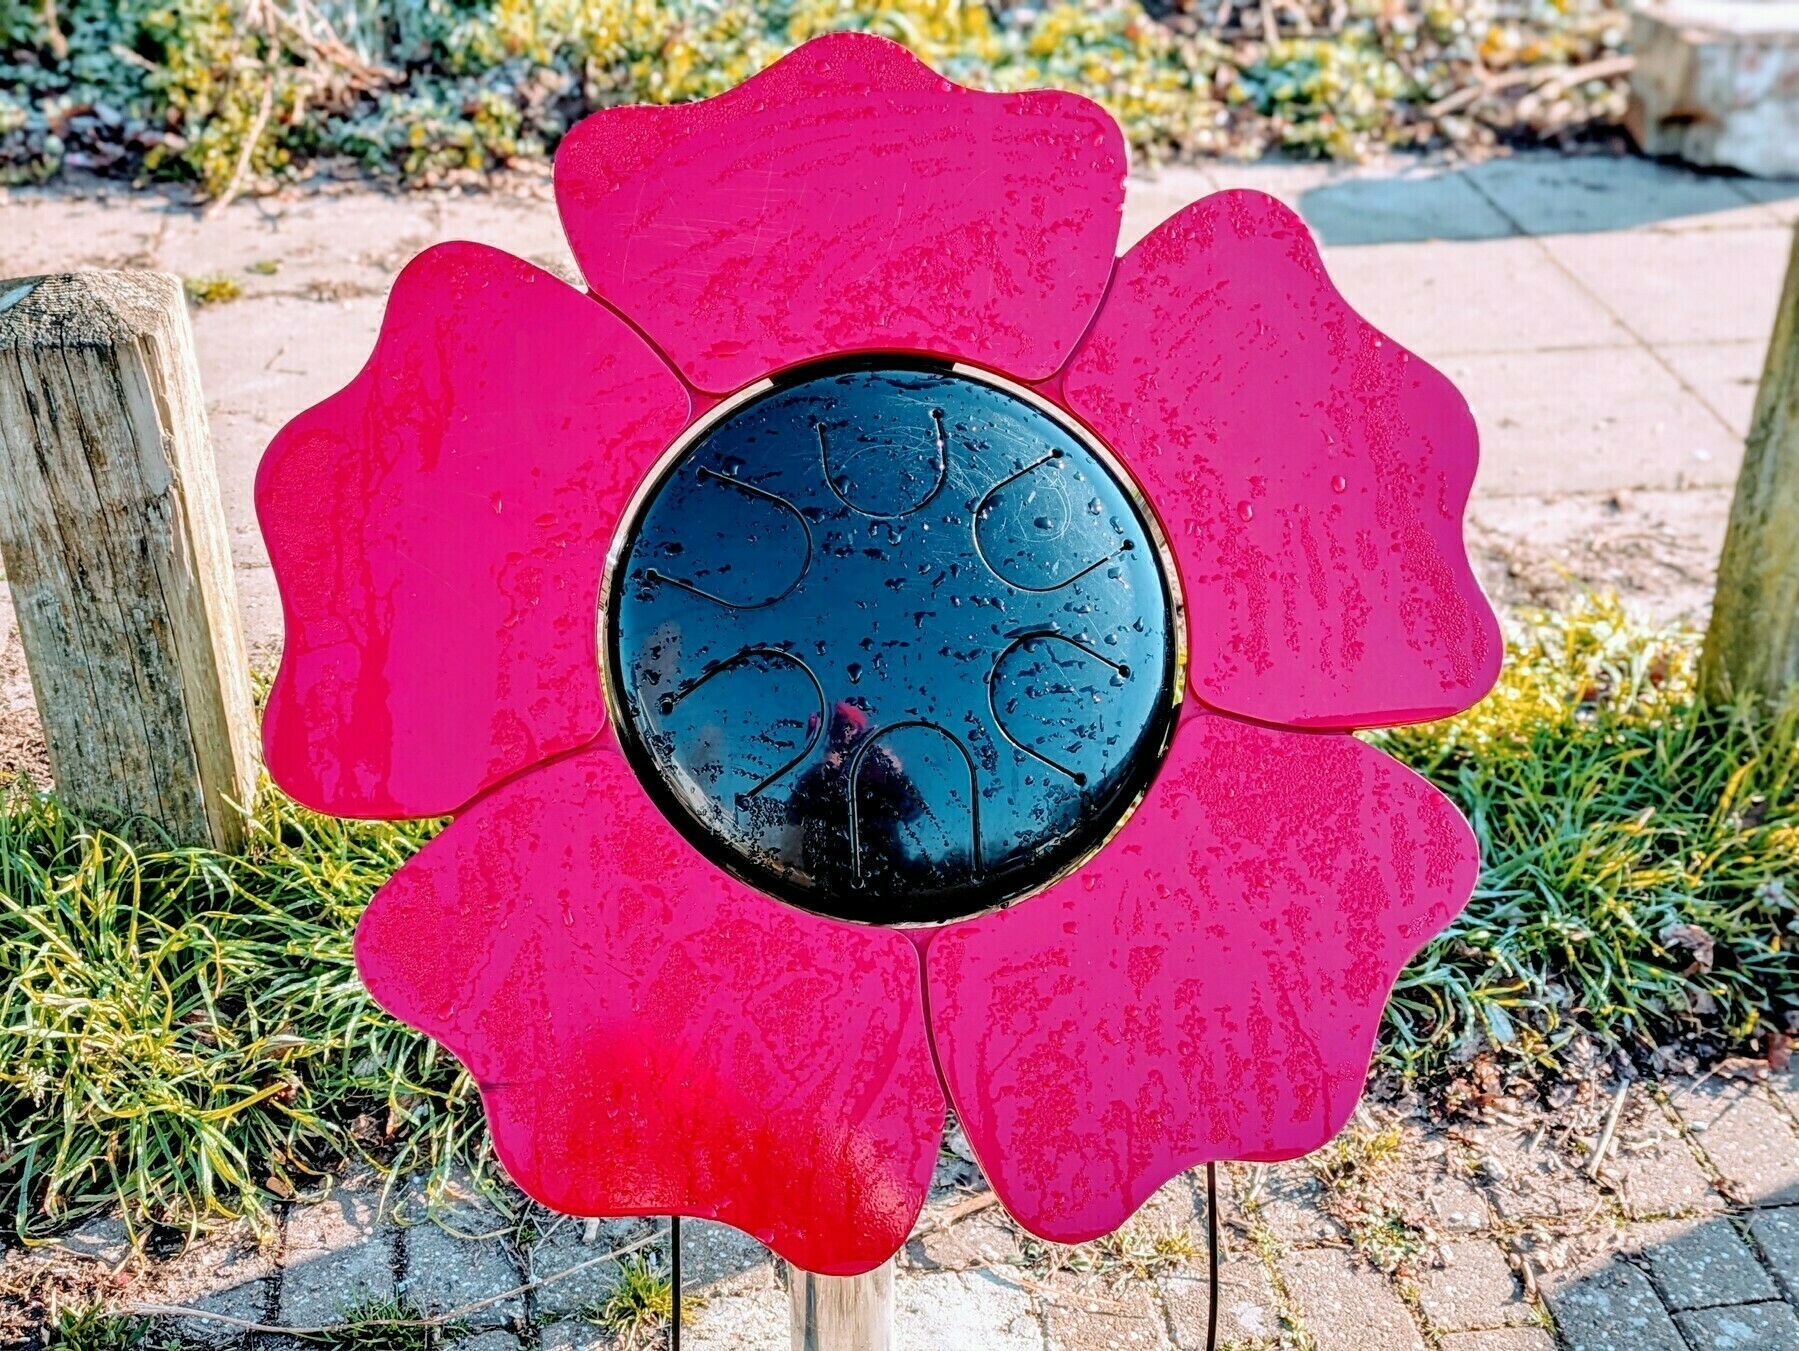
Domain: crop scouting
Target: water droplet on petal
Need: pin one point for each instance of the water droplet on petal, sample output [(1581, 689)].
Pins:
[(1246, 511), (1338, 483)]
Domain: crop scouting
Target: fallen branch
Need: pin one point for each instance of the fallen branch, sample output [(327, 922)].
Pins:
[(968, 1205), (246, 153), (1611, 1125), (1554, 78)]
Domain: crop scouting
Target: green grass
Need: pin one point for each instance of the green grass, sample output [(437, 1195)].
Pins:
[(182, 1033), (1616, 816), (640, 1304), (94, 1329)]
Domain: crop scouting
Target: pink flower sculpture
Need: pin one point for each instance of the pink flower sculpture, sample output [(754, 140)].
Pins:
[(1078, 842)]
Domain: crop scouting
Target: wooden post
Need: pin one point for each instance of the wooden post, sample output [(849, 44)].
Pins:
[(837, 1313), (116, 551), (1753, 643)]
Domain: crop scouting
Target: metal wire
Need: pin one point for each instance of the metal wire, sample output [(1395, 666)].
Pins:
[(1212, 1245), (674, 1283)]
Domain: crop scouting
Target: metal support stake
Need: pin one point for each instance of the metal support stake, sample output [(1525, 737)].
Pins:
[(1212, 1249), (674, 1282)]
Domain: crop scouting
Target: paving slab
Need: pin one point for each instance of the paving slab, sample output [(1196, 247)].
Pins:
[(1660, 1179), (1409, 207), (1776, 1233), (1786, 1091), (1567, 402), (1345, 1305), (1590, 420), (1725, 375), (1091, 1316), (1742, 1327), (717, 1257), (1559, 195), (1700, 1263), (1285, 1201), (562, 1249), (745, 1320), (495, 1340), (1150, 200), (1499, 1339), (574, 1335), (1291, 181), (957, 1311), (335, 1256), (230, 1272), (1474, 1288), (445, 1273), (1248, 1308), (1665, 285), (986, 1238), (1443, 300), (1748, 1140), (1431, 1184), (1526, 1184), (1609, 1307), (1779, 197)]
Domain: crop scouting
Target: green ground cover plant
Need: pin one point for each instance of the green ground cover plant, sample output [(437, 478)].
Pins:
[(1640, 856), (232, 95), (182, 1033)]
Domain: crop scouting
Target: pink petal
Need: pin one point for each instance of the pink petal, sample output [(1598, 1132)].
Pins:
[(652, 1037), (1311, 475), (848, 199), (1208, 987), (438, 530)]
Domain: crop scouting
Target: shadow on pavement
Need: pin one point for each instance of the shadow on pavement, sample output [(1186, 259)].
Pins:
[(1532, 195)]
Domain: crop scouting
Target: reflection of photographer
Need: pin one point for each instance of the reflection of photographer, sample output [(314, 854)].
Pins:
[(886, 799)]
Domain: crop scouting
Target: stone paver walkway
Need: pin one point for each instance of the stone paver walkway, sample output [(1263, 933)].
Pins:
[(1488, 1234)]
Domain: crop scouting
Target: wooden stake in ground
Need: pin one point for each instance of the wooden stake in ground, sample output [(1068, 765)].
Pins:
[(1753, 643), (837, 1313), (117, 554)]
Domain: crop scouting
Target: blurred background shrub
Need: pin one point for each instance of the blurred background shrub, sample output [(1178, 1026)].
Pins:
[(235, 94)]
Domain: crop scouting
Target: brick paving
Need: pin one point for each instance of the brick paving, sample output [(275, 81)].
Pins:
[(1447, 1236)]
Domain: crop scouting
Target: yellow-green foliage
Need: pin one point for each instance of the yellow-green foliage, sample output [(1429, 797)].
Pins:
[(424, 89), (212, 289)]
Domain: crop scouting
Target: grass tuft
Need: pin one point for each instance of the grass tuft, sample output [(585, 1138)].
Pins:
[(94, 1329), (641, 1304)]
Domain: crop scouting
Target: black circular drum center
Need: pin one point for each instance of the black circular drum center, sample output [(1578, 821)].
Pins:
[(892, 643)]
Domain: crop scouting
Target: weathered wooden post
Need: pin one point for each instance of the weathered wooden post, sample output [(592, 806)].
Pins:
[(1752, 645), (842, 1313), (116, 551)]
